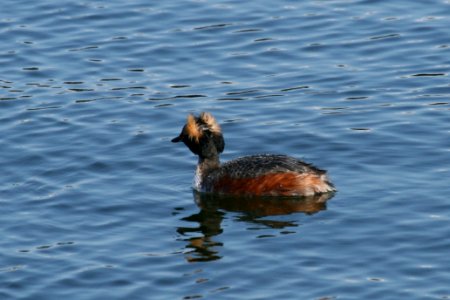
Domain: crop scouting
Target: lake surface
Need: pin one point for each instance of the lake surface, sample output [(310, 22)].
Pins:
[(96, 203)]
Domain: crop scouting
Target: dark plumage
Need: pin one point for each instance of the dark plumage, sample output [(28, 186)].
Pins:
[(261, 175), (261, 164)]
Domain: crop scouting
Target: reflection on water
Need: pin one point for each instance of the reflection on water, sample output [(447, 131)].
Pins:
[(202, 247), (253, 209), (262, 206)]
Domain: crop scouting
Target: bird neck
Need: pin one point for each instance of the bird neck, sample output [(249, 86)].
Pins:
[(207, 164), (204, 167)]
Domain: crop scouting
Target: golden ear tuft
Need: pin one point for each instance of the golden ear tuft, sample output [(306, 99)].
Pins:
[(192, 129), (210, 122)]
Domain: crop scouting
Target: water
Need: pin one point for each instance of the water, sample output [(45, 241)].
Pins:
[(96, 202)]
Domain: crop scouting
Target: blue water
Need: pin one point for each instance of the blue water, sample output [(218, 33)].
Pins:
[(96, 203)]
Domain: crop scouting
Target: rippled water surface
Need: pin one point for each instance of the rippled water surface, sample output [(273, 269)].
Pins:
[(96, 203)]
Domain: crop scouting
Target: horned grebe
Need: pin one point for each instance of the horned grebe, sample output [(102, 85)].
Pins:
[(256, 175)]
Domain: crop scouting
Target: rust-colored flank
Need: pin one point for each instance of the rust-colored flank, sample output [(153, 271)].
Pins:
[(276, 184)]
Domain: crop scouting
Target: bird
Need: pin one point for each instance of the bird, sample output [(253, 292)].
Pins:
[(253, 175)]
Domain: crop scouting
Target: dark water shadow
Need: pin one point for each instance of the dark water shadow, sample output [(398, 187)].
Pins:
[(253, 210)]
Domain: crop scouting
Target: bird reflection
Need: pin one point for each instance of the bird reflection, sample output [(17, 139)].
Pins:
[(254, 210), (201, 247)]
